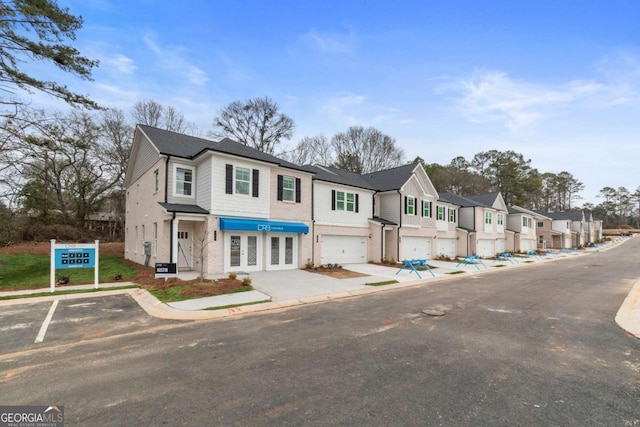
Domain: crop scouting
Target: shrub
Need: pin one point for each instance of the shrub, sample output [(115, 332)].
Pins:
[(246, 281), (233, 275)]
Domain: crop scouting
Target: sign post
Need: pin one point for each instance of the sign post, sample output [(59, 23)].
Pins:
[(74, 255)]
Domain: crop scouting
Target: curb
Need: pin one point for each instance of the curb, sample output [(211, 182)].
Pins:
[(628, 315)]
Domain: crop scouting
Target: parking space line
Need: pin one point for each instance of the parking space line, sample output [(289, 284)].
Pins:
[(45, 324)]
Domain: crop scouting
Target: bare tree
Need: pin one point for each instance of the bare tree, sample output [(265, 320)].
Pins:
[(315, 150), (152, 113), (256, 122), (365, 150)]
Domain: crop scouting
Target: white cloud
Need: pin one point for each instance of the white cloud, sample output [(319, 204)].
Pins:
[(172, 58), (330, 42), (344, 107), (118, 62), (494, 96)]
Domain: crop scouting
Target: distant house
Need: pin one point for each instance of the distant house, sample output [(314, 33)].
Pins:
[(523, 223), (216, 206), (482, 223), (554, 230), (594, 229)]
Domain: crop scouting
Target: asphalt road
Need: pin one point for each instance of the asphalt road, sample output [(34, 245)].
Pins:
[(536, 346)]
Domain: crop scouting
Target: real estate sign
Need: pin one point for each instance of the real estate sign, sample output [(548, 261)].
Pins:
[(73, 255)]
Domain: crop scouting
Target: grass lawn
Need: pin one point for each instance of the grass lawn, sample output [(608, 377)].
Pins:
[(33, 271)]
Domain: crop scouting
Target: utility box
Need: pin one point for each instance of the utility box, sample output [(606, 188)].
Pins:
[(147, 248)]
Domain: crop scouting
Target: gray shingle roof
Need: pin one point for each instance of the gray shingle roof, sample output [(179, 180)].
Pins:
[(189, 147), (462, 201), (486, 199), (339, 176), (391, 179), (183, 208), (570, 215)]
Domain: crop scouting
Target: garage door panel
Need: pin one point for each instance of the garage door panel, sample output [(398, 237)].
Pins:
[(343, 249), (447, 247), (416, 247), (486, 248)]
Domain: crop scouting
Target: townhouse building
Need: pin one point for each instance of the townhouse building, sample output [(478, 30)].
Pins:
[(214, 206), (481, 223)]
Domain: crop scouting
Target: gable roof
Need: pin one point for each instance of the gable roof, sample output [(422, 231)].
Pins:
[(563, 215), (391, 179), (189, 147), (339, 176), (461, 201)]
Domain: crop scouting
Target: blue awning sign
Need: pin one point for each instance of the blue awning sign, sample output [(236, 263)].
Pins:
[(262, 225)]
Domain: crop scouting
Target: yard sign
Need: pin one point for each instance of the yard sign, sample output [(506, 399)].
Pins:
[(74, 255)]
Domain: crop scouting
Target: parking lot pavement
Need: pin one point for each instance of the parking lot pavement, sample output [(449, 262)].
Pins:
[(33, 325)]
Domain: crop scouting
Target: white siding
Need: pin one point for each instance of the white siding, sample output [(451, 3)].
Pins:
[(240, 204), (145, 158), (172, 185), (388, 206), (323, 214), (203, 183)]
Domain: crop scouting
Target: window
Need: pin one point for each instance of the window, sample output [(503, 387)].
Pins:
[(426, 208), (440, 216), (243, 180), (288, 188), (343, 201), (156, 180), (184, 181), (351, 202), (410, 207), (452, 215), (488, 218), (340, 200), (500, 220), (540, 224), (541, 240)]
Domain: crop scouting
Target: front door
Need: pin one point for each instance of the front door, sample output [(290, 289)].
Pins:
[(243, 252), (185, 249), (283, 250)]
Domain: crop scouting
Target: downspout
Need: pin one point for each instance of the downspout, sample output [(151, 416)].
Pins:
[(171, 238), (399, 226), (313, 225), (166, 198), (166, 179)]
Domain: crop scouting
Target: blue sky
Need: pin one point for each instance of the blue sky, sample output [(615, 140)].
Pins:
[(558, 81)]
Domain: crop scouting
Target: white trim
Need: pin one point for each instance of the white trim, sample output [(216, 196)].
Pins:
[(175, 180)]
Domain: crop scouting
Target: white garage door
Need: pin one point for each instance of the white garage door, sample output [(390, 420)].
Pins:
[(527, 245), (501, 246), (343, 249), (486, 248), (446, 247), (416, 248)]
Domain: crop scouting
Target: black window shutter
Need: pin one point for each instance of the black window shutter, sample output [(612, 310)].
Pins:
[(229, 179), (357, 203), (415, 207), (405, 204), (298, 184), (333, 200), (256, 182), (430, 210), (422, 208), (280, 185)]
